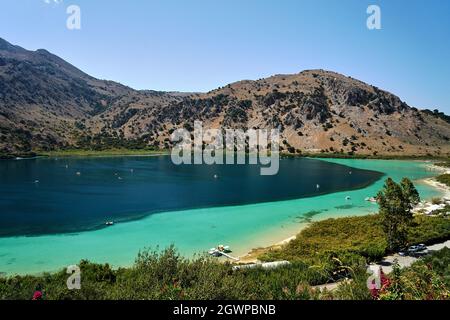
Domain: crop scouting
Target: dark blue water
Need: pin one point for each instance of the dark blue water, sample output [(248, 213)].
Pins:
[(125, 188)]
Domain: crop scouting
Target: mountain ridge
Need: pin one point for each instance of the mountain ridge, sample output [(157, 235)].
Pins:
[(48, 104)]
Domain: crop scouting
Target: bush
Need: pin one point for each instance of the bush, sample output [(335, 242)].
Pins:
[(166, 275), (362, 236), (426, 279), (444, 178), (429, 230)]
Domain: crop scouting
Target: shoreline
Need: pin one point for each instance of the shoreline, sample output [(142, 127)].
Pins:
[(105, 153), (130, 152), (252, 255), (84, 153), (436, 184)]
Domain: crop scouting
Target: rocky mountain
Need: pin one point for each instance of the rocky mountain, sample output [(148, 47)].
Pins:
[(44, 100), (46, 103)]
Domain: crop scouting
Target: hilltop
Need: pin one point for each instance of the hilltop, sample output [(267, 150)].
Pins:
[(48, 104)]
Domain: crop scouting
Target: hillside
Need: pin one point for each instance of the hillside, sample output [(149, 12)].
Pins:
[(48, 104), (44, 101)]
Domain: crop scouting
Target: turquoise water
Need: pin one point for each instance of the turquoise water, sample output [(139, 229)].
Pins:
[(50, 196), (194, 231)]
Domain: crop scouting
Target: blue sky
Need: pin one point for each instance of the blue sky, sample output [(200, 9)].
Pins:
[(199, 45)]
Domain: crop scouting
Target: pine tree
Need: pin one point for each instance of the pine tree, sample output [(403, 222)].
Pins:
[(396, 202)]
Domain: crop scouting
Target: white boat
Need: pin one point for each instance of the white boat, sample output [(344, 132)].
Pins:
[(371, 199), (109, 223), (219, 250)]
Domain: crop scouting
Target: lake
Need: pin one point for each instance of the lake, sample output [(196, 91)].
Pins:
[(46, 196), (53, 211)]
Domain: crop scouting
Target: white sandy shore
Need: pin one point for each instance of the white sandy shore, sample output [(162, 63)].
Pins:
[(440, 186), (427, 207), (285, 241)]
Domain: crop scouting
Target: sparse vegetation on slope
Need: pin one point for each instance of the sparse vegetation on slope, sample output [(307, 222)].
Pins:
[(49, 105)]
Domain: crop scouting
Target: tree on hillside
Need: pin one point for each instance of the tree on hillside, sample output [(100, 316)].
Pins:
[(410, 192), (396, 202)]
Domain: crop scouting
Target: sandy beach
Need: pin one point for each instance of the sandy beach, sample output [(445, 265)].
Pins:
[(439, 186)]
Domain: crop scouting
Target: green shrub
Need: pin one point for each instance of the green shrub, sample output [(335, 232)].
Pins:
[(444, 178), (426, 279), (429, 230), (363, 236), (360, 235)]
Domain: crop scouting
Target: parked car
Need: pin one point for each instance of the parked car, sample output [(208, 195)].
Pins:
[(422, 247), (413, 249)]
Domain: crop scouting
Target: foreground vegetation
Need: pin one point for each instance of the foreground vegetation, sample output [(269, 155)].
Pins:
[(327, 251), (426, 279)]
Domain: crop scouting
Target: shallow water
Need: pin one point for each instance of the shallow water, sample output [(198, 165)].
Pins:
[(242, 227)]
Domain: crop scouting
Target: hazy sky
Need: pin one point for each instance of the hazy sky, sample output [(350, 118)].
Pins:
[(199, 45)]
